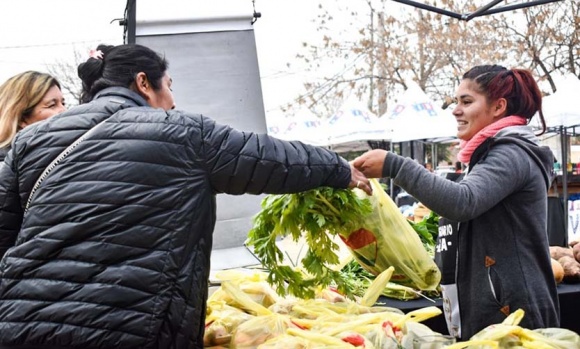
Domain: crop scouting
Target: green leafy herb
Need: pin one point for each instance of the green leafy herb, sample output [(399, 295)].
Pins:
[(317, 215), (428, 229), (359, 280)]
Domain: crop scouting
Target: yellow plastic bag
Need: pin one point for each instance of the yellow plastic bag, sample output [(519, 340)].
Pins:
[(221, 323), (387, 239), (258, 330), (253, 285), (287, 341), (559, 338), (509, 335)]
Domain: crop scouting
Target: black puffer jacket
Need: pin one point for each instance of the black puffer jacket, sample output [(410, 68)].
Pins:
[(114, 249), (3, 152)]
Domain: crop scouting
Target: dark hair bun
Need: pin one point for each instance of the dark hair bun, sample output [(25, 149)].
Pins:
[(92, 69), (111, 66)]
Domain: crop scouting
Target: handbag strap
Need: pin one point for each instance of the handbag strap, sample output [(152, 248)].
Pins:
[(57, 160)]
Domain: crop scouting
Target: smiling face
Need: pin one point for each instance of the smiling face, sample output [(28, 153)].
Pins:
[(473, 111), (51, 104)]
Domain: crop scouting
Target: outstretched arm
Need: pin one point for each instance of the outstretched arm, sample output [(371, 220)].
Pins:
[(246, 162)]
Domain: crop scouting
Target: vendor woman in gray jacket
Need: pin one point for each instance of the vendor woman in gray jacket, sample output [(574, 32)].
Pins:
[(492, 246)]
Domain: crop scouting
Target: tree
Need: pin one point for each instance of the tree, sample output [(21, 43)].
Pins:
[(544, 39), (65, 71), (390, 46)]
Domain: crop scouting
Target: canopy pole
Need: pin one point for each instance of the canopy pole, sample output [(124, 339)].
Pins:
[(391, 183), (564, 145), (434, 155)]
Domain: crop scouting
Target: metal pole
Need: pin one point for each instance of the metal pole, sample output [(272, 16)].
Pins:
[(130, 21), (434, 159), (485, 10), (480, 11), (517, 6), (391, 183), (564, 145), (430, 8)]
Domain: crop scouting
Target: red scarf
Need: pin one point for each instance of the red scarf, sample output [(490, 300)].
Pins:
[(468, 147)]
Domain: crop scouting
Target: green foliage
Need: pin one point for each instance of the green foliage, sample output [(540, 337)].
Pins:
[(428, 229), (318, 216)]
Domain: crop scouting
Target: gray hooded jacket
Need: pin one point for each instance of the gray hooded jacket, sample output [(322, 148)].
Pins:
[(502, 256)]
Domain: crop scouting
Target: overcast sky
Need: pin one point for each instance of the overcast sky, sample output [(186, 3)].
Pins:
[(37, 33)]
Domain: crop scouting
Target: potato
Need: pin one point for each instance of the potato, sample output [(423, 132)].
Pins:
[(576, 251), (558, 252), (216, 334), (571, 269), (558, 270)]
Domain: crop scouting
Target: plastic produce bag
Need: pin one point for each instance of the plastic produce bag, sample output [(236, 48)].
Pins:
[(287, 341), (253, 285), (559, 337), (509, 335), (220, 322), (387, 239), (258, 330)]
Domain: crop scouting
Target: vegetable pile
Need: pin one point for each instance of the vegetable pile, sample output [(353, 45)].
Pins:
[(246, 313), (566, 263)]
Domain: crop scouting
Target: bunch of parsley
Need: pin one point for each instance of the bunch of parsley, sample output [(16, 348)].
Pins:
[(317, 215), (428, 229)]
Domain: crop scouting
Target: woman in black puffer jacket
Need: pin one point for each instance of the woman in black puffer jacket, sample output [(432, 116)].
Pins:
[(111, 247)]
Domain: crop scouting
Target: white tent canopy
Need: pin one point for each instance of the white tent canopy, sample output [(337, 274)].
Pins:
[(560, 108), (303, 126), (352, 124), (347, 129), (416, 117)]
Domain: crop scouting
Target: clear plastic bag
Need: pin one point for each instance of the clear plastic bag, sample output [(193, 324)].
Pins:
[(387, 239), (509, 335)]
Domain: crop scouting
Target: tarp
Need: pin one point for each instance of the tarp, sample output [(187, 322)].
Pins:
[(415, 116)]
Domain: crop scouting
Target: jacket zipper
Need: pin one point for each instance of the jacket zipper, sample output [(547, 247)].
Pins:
[(56, 161)]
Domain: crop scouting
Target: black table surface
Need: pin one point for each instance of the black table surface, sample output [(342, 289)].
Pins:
[(568, 294)]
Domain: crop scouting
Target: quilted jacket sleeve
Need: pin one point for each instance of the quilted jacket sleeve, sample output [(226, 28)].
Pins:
[(10, 208), (245, 162)]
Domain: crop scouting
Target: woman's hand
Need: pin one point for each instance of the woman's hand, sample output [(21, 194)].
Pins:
[(358, 180), (371, 163)]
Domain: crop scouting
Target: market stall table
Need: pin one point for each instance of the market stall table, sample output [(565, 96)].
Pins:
[(568, 294)]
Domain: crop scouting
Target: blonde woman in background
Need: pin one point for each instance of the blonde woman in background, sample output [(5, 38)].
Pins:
[(27, 98)]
